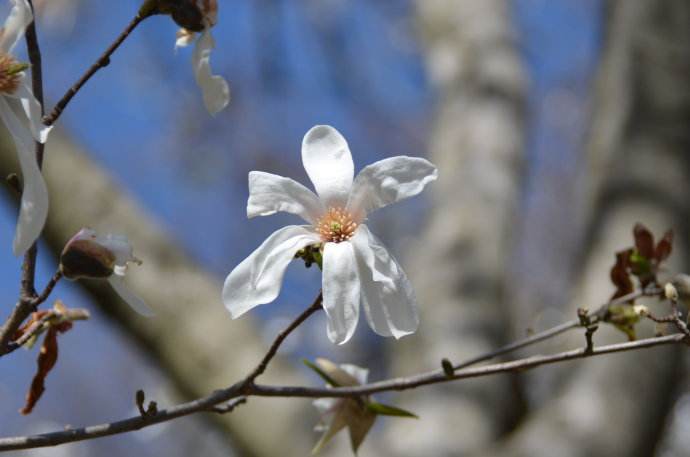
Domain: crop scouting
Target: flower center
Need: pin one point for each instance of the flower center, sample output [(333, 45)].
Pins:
[(336, 225), (10, 74)]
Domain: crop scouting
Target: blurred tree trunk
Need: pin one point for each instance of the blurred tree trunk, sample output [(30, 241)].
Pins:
[(459, 264), (638, 171), (191, 336)]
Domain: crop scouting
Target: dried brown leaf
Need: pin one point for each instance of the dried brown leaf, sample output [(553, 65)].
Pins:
[(644, 241)]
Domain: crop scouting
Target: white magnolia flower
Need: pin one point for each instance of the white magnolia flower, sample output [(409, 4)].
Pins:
[(214, 88), (338, 413), (21, 114), (356, 265), (89, 255)]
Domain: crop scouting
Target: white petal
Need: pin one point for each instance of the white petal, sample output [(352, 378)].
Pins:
[(119, 245), (184, 38), (214, 88), (325, 405), (387, 295), (34, 204), (359, 373), (328, 161), (340, 291), (17, 21), (32, 109), (257, 280), (269, 193), (133, 300), (388, 181)]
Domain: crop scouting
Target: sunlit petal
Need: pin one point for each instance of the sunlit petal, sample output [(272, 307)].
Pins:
[(19, 18), (32, 109), (387, 295), (328, 161), (214, 89), (33, 209), (258, 279), (117, 282), (269, 193), (340, 291), (388, 181)]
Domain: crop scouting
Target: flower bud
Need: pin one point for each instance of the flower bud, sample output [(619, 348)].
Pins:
[(85, 257), (671, 292), (193, 15)]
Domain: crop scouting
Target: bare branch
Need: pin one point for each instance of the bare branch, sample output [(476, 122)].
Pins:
[(102, 62), (242, 389)]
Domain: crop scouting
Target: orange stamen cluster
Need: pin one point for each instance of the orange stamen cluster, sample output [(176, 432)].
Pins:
[(336, 226), (9, 81)]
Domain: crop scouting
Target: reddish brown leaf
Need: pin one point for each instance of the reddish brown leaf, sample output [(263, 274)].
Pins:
[(35, 317), (644, 241), (620, 276), (664, 247), (46, 361)]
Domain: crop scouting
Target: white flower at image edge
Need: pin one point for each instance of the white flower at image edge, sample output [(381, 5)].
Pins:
[(20, 112), (214, 89), (356, 265)]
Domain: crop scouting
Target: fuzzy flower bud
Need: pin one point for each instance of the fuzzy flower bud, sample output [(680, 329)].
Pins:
[(89, 255)]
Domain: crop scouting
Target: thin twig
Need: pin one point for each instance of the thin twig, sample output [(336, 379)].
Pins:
[(20, 314), (554, 331), (261, 367), (35, 328), (241, 390), (229, 406), (102, 62)]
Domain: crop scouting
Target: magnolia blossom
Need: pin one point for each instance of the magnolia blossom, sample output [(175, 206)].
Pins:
[(356, 265), (89, 255), (21, 114), (214, 88), (338, 413)]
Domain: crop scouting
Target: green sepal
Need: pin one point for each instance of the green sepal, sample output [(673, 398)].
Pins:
[(330, 381), (387, 410), (17, 68)]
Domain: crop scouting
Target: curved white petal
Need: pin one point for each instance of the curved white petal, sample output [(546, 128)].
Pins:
[(257, 280), (32, 109), (214, 89), (328, 161), (15, 25), (325, 405), (117, 282), (340, 291), (388, 181), (33, 209), (269, 193), (387, 295)]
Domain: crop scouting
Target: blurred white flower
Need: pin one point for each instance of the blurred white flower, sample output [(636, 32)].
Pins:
[(214, 88), (356, 266), (89, 255), (21, 114), (338, 413)]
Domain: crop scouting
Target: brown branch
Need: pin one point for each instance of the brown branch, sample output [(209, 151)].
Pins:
[(20, 314), (35, 328), (102, 62), (261, 367), (241, 389)]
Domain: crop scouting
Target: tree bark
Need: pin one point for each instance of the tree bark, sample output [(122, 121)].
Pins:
[(459, 263), (637, 172)]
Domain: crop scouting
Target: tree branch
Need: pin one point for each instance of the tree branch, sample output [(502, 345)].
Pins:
[(102, 62), (243, 389)]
